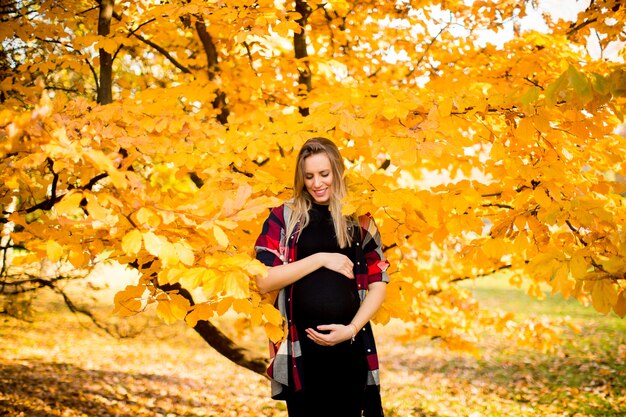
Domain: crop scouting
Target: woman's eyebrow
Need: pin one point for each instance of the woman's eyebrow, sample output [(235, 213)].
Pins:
[(319, 172)]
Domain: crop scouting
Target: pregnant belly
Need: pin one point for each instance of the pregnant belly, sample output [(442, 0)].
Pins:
[(324, 297)]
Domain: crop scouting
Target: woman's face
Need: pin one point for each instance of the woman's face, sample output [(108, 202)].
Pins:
[(318, 177)]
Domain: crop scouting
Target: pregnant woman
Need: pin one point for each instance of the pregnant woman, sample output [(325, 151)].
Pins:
[(330, 274)]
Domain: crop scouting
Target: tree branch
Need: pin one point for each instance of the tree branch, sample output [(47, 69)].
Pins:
[(105, 89), (576, 232), (428, 46), (94, 73), (23, 283), (90, 315), (301, 54), (94, 181), (158, 48), (485, 274), (211, 52), (575, 27), (506, 206), (48, 203)]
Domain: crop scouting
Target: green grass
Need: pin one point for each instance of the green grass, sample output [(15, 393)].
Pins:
[(586, 373), (496, 292)]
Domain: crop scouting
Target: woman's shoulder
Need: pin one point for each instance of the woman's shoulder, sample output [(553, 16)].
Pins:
[(281, 212), (366, 215), (364, 218), (367, 223), (278, 208)]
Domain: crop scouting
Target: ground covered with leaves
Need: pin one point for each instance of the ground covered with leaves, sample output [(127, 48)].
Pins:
[(59, 364)]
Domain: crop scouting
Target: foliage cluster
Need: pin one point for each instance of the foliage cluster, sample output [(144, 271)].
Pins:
[(157, 135)]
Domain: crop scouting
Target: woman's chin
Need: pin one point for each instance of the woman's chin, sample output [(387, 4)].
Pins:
[(323, 201)]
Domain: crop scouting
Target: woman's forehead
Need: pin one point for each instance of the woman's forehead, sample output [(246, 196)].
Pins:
[(316, 163)]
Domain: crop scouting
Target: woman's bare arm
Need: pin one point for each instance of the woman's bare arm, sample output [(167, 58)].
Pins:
[(282, 275)]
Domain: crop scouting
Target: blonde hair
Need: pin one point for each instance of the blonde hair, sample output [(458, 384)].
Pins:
[(302, 200)]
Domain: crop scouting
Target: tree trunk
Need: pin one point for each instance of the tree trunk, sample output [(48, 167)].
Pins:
[(105, 86), (299, 46), (211, 52)]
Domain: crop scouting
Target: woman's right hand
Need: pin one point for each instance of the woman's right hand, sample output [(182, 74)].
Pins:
[(338, 263)]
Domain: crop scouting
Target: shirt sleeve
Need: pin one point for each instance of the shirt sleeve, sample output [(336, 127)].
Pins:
[(377, 264), (268, 247)]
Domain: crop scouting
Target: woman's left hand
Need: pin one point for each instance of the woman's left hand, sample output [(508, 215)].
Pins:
[(333, 334)]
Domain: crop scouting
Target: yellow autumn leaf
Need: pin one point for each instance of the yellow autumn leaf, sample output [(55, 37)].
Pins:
[(284, 28), (12, 183), (102, 162), (128, 301), (253, 149), (620, 304), (184, 253), (578, 266), (78, 258), (54, 251), (615, 265), (254, 207), (132, 242), (242, 306), (203, 311), (220, 236), (494, 248), (352, 125), (542, 197), (256, 316), (126, 307), (403, 153), (192, 278), (271, 314), (256, 268), (525, 131), (445, 106), (561, 281), (148, 218), (211, 283), (108, 44), (222, 306), (389, 111), (95, 210), (69, 204), (179, 306), (274, 333), (164, 312), (349, 206), (152, 243), (603, 295), (168, 253), (235, 284), (341, 7), (161, 124), (382, 316)]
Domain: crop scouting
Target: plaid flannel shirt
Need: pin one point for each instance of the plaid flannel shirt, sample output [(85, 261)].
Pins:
[(274, 248)]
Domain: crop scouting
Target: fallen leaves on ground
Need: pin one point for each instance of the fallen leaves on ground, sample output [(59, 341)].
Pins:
[(62, 366)]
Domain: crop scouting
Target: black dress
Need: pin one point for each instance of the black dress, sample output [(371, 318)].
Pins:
[(334, 377)]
